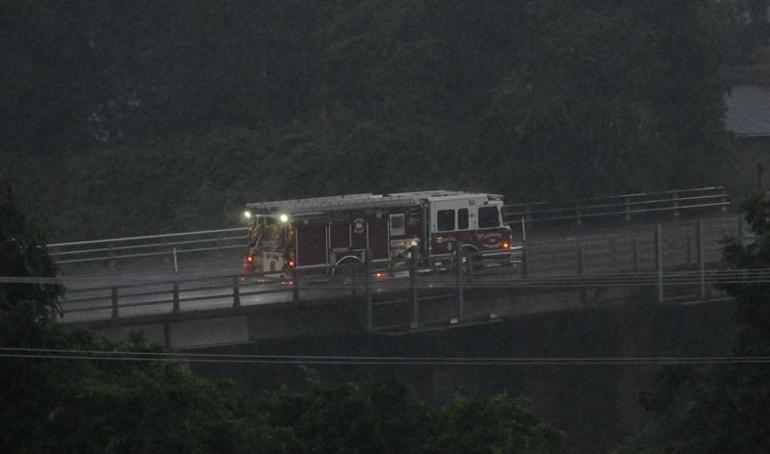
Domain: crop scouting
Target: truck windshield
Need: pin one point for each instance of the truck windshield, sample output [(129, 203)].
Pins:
[(488, 217)]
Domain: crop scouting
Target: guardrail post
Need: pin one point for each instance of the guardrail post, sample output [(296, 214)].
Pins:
[(626, 210), (459, 260), (701, 261), (524, 261), (613, 252), (659, 261), (175, 291), (740, 230), (295, 285), (579, 256), (726, 200), (675, 198), (111, 254), (580, 269), (114, 299), (413, 287), (236, 293), (367, 289), (578, 218)]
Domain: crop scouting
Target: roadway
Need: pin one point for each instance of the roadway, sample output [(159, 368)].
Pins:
[(145, 286)]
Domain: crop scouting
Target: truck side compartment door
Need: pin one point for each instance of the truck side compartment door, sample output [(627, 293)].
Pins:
[(359, 233), (311, 244), (378, 237)]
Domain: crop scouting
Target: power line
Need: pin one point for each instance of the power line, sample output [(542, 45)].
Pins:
[(61, 354), (749, 275)]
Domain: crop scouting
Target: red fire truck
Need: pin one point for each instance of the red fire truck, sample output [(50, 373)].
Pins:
[(329, 235)]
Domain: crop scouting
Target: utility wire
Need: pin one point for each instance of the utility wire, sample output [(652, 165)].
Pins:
[(748, 275), (33, 353)]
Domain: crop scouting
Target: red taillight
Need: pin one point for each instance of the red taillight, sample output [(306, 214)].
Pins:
[(291, 263), (249, 259), (506, 245)]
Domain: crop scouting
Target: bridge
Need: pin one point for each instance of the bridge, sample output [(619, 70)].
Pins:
[(184, 290)]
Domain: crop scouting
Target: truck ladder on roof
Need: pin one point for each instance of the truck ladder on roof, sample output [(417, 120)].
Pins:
[(353, 201)]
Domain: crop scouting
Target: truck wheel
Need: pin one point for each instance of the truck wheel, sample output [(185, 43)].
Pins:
[(349, 272)]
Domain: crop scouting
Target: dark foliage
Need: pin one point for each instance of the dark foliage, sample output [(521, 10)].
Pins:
[(82, 404), (156, 116), (721, 408)]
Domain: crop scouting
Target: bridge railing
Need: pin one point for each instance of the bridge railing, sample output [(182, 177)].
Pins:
[(163, 296), (679, 260), (619, 207), (171, 248)]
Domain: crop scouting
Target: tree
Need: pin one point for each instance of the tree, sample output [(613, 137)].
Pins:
[(81, 406), (494, 424), (721, 408), (31, 307), (509, 97), (330, 416), (27, 312), (598, 96), (154, 407), (92, 405), (386, 416)]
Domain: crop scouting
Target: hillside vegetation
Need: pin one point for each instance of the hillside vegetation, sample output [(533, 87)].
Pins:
[(65, 390), (143, 117)]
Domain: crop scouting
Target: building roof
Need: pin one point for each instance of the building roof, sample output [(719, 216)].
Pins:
[(748, 110), (358, 201)]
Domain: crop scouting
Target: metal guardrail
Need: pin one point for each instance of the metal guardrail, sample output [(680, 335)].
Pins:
[(675, 259), (211, 287), (174, 244), (623, 206), (171, 244)]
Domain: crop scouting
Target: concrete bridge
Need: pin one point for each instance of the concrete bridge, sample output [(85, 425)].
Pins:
[(626, 285), (568, 269)]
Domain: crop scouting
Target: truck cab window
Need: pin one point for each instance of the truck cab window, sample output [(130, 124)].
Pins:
[(397, 225), (445, 220), (462, 219), (488, 217)]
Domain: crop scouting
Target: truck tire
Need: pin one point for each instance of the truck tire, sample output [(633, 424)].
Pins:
[(348, 272)]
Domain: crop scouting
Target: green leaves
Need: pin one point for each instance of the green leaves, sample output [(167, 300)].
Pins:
[(386, 416), (155, 407), (602, 92), (549, 99), (721, 408), (494, 424), (329, 416), (69, 405), (24, 308)]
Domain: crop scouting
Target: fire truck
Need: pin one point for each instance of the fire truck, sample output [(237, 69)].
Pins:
[(331, 235)]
